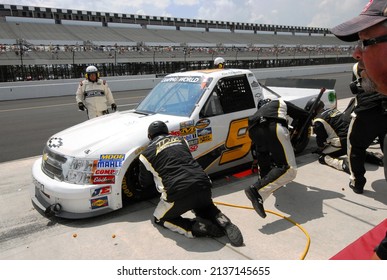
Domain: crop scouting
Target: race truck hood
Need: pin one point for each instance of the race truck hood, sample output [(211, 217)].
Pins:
[(114, 133)]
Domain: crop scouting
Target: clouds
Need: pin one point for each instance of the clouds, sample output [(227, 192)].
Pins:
[(333, 12), (312, 13)]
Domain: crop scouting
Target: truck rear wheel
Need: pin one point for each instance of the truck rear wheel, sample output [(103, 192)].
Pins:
[(302, 142)]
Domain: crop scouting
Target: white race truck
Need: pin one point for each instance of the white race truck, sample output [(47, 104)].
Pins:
[(92, 168)]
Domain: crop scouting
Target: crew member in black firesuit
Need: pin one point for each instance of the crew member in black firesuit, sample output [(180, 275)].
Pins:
[(94, 94), (369, 121), (372, 20), (168, 164), (268, 130), (331, 129)]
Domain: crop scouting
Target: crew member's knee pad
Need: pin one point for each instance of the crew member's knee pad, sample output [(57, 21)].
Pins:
[(291, 172)]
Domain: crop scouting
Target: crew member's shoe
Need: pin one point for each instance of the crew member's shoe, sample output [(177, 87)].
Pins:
[(345, 166), (203, 227), (256, 199), (358, 186), (321, 159), (232, 231)]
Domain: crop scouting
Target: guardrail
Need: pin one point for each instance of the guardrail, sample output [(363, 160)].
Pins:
[(51, 88)]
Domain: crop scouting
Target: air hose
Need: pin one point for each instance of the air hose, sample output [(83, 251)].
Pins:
[(303, 255)]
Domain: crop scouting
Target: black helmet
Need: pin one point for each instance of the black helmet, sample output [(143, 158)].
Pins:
[(310, 103), (263, 102), (157, 128)]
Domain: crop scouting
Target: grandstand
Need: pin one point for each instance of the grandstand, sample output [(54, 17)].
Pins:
[(33, 37)]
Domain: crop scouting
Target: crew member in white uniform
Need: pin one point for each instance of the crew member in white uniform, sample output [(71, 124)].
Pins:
[(219, 63), (94, 94)]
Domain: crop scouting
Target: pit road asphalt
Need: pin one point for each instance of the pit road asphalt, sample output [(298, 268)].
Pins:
[(330, 214)]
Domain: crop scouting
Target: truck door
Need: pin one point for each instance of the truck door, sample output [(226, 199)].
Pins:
[(223, 140)]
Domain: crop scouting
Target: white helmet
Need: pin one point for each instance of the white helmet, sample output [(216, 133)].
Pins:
[(90, 70), (219, 62)]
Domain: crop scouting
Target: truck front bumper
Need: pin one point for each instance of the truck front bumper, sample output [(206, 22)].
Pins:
[(71, 201)]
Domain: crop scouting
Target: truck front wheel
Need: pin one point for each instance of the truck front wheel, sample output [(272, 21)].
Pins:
[(131, 189)]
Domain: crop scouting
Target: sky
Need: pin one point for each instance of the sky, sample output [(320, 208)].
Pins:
[(306, 13)]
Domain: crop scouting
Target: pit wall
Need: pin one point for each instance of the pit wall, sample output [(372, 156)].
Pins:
[(51, 88)]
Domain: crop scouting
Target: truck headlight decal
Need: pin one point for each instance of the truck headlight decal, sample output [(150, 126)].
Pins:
[(80, 171)]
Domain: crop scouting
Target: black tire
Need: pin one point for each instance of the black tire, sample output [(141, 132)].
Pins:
[(131, 189), (301, 145), (302, 142)]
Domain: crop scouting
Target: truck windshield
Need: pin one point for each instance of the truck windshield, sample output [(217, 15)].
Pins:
[(174, 95)]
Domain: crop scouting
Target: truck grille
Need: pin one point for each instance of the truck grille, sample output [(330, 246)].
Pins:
[(52, 164)]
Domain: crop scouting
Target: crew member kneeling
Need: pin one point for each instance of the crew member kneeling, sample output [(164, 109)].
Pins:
[(168, 164)]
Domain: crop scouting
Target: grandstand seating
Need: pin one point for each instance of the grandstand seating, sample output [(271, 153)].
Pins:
[(152, 43), (40, 33), (46, 36)]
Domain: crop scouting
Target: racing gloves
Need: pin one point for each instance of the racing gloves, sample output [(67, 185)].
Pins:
[(114, 107), (81, 106)]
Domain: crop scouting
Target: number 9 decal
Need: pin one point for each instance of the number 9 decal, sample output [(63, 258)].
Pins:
[(238, 142)]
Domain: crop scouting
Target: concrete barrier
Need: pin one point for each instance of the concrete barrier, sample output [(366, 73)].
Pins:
[(50, 88)]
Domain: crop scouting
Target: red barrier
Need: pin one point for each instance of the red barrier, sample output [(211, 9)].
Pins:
[(363, 247)]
